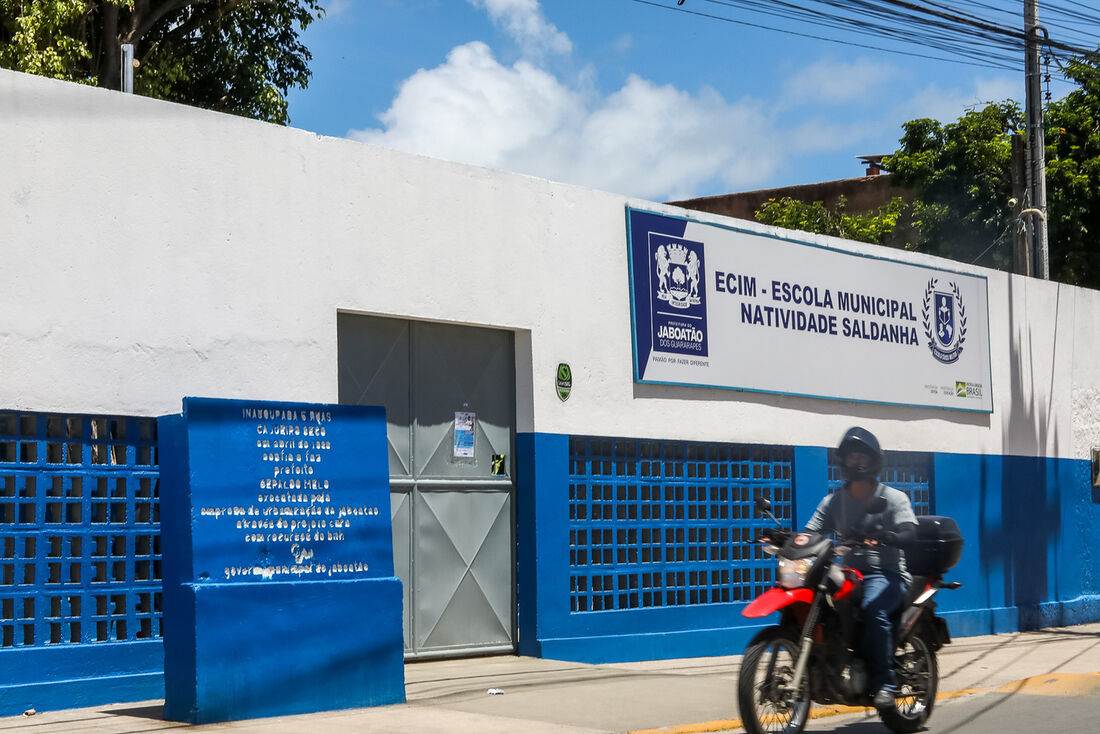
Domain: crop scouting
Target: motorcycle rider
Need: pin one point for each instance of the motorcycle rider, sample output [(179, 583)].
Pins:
[(885, 578)]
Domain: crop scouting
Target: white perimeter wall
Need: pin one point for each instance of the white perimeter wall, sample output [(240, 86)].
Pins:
[(152, 251)]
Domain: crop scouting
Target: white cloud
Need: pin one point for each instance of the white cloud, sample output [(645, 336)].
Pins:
[(816, 135), (946, 105), (645, 140), (334, 8), (624, 43), (472, 109), (661, 142), (837, 82), (524, 21)]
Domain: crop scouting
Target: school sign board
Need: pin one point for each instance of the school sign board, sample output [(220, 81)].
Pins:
[(715, 306)]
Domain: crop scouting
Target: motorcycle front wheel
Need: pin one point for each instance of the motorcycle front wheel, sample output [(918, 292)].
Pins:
[(767, 694), (918, 679)]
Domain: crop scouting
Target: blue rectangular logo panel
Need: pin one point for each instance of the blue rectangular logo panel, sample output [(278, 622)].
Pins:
[(677, 298), (668, 290)]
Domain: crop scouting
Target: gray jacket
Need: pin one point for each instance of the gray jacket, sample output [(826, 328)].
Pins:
[(843, 514)]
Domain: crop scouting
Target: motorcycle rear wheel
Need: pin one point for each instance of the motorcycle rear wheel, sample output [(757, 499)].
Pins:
[(918, 678), (767, 696)]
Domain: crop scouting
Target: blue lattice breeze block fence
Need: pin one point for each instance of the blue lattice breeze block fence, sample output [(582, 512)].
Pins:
[(652, 525), (80, 589), (670, 523)]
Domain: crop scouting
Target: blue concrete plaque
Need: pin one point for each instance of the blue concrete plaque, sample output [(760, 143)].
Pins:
[(279, 590)]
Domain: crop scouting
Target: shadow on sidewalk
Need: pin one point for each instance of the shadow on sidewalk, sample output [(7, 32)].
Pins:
[(156, 712)]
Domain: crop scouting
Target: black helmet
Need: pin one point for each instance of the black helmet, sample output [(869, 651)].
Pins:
[(863, 441)]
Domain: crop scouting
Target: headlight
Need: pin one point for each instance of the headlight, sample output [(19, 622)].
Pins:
[(792, 574)]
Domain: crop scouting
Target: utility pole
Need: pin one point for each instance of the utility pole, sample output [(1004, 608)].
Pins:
[(1036, 145), (1021, 233)]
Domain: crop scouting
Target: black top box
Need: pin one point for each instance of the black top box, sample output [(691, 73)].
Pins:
[(938, 547)]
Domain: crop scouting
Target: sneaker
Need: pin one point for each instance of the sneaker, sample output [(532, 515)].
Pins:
[(884, 698)]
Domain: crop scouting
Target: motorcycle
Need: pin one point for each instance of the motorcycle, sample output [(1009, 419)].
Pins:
[(812, 655)]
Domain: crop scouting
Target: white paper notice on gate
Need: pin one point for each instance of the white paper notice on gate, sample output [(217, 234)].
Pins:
[(715, 306), (464, 435)]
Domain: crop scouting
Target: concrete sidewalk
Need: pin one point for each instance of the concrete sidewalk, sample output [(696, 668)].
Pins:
[(543, 696)]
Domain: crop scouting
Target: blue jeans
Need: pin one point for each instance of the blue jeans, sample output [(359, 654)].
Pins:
[(882, 593)]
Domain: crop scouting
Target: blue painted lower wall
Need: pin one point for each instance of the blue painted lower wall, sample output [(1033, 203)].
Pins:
[(281, 648), (1029, 559), (74, 676)]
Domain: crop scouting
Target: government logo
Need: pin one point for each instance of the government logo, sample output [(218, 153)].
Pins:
[(679, 271), (944, 321)]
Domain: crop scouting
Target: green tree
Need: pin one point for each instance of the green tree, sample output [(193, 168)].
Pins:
[(877, 227), (1073, 179), (236, 56), (960, 176)]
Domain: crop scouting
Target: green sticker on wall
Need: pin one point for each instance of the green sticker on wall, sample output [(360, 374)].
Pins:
[(564, 381)]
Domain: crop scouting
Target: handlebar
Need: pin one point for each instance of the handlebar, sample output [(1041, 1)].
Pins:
[(882, 537), (778, 536), (775, 536)]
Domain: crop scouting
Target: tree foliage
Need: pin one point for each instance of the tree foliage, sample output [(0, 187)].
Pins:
[(1073, 179), (36, 37), (960, 176), (876, 227), (237, 56), (961, 173)]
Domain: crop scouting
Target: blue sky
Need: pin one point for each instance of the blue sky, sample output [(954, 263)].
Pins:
[(618, 96)]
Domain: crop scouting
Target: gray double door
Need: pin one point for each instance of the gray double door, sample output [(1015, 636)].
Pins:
[(449, 394)]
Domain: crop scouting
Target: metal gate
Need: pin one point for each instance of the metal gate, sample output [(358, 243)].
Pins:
[(449, 394)]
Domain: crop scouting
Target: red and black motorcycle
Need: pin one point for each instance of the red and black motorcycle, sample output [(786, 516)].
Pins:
[(813, 654)]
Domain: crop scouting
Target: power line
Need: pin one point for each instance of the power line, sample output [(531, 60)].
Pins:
[(979, 38), (737, 21), (930, 38)]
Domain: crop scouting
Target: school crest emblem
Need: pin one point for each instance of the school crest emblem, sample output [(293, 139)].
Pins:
[(944, 320)]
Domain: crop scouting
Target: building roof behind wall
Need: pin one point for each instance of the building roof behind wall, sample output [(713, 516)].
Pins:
[(862, 194)]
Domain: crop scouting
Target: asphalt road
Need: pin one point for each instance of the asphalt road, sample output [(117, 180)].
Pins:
[(1021, 683), (1046, 705)]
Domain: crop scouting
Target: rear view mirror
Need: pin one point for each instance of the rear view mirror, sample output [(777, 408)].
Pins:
[(763, 506)]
